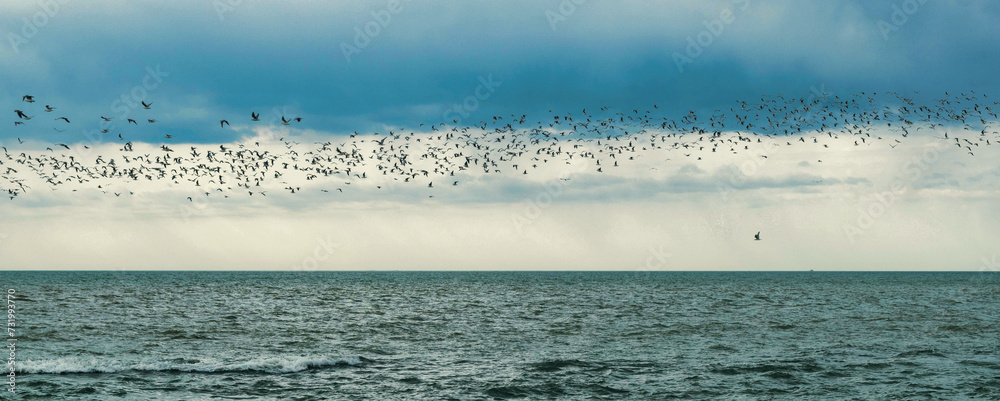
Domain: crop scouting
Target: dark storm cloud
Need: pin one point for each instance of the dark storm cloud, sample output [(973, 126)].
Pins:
[(349, 66)]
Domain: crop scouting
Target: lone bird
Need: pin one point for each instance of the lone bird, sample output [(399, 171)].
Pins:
[(254, 116), (223, 123), (756, 237)]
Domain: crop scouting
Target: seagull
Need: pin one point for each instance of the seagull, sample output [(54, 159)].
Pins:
[(390, 154), (28, 98), (146, 105), (756, 237), (49, 109), (64, 119), (21, 114), (105, 118)]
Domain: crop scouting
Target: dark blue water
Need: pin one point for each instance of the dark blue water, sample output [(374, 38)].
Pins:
[(480, 336)]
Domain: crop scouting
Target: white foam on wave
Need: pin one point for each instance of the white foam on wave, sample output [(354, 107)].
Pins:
[(102, 365)]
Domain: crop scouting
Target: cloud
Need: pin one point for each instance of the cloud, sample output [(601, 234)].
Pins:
[(287, 60), (429, 55), (703, 212)]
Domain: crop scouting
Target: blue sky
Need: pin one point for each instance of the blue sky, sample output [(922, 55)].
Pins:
[(202, 61), (225, 61)]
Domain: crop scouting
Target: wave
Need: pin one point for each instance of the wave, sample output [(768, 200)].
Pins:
[(558, 364), (102, 365)]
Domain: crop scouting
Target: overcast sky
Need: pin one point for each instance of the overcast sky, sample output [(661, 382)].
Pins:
[(225, 61), (378, 65)]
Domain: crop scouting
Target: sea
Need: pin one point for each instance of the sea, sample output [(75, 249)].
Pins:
[(116, 335)]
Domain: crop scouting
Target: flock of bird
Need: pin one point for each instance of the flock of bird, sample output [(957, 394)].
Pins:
[(23, 119), (449, 153)]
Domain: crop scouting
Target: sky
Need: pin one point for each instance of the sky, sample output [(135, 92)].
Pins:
[(377, 66)]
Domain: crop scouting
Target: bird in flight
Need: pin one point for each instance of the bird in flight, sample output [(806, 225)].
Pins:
[(49, 109), (146, 105), (756, 237), (64, 119), (223, 123), (254, 116), (21, 114), (28, 98)]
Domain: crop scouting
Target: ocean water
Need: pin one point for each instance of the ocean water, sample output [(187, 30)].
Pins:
[(505, 335)]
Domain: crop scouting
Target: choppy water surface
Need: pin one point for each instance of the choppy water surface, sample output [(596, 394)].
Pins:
[(467, 336)]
